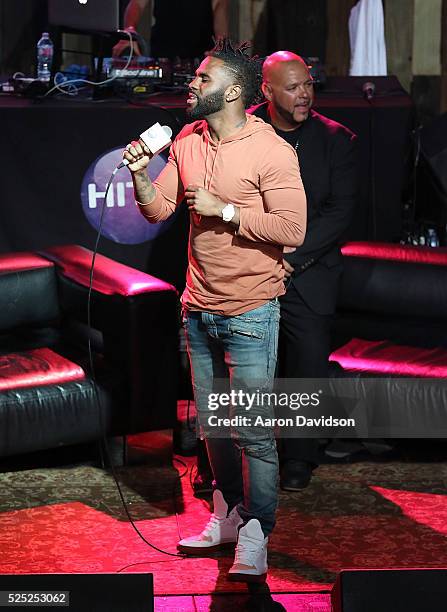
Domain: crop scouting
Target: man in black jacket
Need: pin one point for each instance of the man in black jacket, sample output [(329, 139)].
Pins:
[(326, 154)]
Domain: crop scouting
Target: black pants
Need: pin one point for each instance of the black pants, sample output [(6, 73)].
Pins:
[(304, 348)]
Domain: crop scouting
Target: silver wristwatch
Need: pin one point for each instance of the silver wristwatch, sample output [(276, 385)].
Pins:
[(228, 213)]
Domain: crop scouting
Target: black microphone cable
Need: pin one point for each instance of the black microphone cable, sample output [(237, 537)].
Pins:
[(97, 395)]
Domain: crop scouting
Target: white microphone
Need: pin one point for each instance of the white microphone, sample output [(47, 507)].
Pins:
[(157, 138)]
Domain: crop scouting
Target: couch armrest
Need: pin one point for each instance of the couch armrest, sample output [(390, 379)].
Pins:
[(392, 292), (138, 317), (394, 280), (28, 294), (110, 277), (388, 251)]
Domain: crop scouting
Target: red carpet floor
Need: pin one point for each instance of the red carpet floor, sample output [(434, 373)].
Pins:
[(364, 515)]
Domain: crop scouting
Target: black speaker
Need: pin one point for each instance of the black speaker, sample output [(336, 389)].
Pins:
[(78, 592), (389, 590)]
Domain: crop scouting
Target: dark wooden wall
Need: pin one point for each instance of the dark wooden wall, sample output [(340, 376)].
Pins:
[(337, 49), (21, 24)]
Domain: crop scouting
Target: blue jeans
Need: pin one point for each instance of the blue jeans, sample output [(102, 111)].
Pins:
[(242, 349)]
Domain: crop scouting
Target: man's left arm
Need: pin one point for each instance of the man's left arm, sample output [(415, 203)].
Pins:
[(325, 230), (283, 219)]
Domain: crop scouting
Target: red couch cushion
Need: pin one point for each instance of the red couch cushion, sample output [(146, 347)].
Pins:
[(396, 252), (109, 277), (36, 368), (388, 359), (16, 262)]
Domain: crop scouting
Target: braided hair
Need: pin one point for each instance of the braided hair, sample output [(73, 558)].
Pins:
[(245, 70)]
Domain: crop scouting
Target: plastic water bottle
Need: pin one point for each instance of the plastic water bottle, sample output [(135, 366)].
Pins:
[(44, 58), (432, 237)]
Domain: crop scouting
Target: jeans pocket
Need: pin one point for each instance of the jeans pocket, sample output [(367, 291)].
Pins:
[(247, 329)]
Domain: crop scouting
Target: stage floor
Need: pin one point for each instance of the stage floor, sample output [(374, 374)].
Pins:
[(368, 514)]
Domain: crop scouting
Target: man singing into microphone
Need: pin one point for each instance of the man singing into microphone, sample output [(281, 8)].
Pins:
[(243, 187)]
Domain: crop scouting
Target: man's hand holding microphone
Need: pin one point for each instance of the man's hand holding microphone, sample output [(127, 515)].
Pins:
[(139, 153), (136, 156)]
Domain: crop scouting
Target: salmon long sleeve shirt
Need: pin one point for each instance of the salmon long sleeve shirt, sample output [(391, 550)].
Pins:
[(231, 271)]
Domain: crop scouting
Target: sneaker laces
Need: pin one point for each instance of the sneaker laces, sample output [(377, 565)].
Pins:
[(249, 550), (233, 518), (212, 523)]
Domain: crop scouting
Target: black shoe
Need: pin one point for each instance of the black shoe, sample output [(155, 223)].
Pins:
[(295, 475), (202, 483)]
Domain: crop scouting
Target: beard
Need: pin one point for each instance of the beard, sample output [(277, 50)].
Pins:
[(285, 114), (212, 103), (288, 116)]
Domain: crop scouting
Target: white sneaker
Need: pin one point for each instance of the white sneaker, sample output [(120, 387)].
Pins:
[(250, 561), (220, 531)]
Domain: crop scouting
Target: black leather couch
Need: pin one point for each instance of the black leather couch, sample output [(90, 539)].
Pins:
[(49, 396), (391, 324)]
